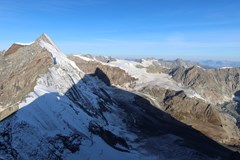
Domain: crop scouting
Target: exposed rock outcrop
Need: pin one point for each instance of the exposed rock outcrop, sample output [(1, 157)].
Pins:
[(115, 75), (19, 70), (13, 49), (215, 86), (197, 113)]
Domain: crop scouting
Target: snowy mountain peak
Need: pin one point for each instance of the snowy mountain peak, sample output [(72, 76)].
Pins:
[(44, 37), (46, 42), (57, 55)]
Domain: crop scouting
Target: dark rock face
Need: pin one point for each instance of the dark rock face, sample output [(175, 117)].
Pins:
[(101, 75), (72, 142), (114, 141)]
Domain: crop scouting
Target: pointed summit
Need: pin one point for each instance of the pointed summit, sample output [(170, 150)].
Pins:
[(44, 37), (45, 41)]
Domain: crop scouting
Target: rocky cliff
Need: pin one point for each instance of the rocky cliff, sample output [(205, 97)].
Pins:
[(20, 67), (215, 86)]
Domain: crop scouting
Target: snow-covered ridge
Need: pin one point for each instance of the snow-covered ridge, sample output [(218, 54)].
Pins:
[(149, 62), (226, 67), (85, 58), (60, 77), (24, 44), (200, 67), (58, 57)]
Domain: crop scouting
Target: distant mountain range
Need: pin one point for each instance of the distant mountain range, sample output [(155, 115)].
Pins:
[(208, 64), (219, 64), (54, 106)]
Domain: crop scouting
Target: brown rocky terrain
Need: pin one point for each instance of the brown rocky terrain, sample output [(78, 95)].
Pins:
[(156, 68), (196, 113), (13, 49), (116, 75), (215, 86), (20, 67)]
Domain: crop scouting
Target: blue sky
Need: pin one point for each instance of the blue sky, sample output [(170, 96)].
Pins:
[(169, 29)]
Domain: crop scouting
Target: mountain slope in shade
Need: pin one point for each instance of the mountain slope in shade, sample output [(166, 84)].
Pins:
[(182, 101), (68, 114)]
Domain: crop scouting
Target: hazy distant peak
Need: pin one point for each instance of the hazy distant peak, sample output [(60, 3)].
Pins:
[(220, 64), (179, 60)]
